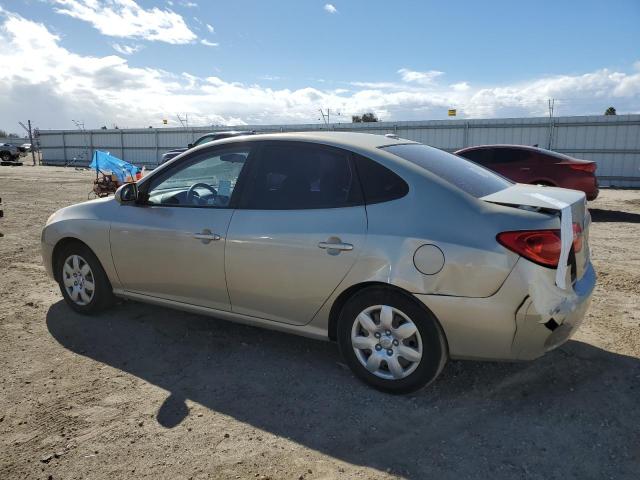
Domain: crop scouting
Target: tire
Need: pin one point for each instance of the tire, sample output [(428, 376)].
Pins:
[(75, 280), (397, 349), (5, 156)]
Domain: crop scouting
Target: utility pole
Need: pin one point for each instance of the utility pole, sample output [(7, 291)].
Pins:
[(326, 117), (552, 103), (184, 122), (28, 129)]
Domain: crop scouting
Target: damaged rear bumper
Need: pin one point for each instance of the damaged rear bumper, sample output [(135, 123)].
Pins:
[(514, 323), (544, 324)]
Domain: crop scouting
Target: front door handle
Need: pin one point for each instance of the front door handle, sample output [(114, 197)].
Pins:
[(525, 168), (335, 246), (206, 236)]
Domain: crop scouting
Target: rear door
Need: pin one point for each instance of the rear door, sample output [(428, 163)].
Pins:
[(299, 229)]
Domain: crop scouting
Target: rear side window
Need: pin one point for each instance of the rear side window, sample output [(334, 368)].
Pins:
[(294, 176), (379, 184), (482, 156), (511, 155), (467, 176)]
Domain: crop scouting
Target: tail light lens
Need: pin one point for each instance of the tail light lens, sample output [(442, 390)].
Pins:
[(577, 237), (540, 246), (589, 167)]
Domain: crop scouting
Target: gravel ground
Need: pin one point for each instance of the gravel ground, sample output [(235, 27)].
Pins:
[(142, 391)]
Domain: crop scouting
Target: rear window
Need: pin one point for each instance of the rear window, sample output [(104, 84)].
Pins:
[(467, 176), (379, 184)]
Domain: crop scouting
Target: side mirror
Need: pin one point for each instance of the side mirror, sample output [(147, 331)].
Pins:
[(189, 145), (127, 193)]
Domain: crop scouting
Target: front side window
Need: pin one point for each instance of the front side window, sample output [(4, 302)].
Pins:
[(207, 180), (293, 175), (459, 172)]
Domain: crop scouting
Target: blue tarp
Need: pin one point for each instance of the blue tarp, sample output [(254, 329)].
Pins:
[(104, 162)]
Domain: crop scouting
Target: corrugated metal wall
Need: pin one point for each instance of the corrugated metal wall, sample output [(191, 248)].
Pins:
[(612, 141)]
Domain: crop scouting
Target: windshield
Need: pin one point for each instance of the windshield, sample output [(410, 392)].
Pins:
[(460, 172)]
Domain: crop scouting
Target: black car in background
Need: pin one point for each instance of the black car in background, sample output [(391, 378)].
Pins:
[(209, 137)]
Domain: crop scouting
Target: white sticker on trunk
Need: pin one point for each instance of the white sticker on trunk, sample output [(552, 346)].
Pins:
[(566, 236)]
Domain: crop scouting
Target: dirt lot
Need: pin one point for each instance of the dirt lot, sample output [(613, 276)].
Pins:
[(142, 391)]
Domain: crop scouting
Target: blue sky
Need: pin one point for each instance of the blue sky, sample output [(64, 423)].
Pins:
[(272, 62)]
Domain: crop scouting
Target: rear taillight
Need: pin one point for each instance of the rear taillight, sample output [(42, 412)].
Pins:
[(577, 237), (584, 167), (539, 246)]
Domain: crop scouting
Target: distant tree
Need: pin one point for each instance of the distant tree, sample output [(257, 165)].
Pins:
[(103, 127), (4, 134), (610, 111), (365, 117), (369, 117)]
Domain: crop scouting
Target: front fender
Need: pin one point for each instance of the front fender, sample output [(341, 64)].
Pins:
[(87, 222)]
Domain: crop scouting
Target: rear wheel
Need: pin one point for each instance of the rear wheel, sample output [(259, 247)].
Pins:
[(83, 282), (390, 341), (5, 156)]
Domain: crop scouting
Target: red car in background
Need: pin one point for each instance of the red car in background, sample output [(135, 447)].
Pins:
[(537, 166)]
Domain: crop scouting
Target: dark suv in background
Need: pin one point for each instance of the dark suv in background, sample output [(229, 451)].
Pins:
[(537, 166), (209, 137)]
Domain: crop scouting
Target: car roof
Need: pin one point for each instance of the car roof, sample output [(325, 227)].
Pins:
[(339, 139), (228, 132)]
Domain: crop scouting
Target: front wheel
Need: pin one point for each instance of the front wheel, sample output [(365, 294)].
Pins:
[(391, 341), (83, 282)]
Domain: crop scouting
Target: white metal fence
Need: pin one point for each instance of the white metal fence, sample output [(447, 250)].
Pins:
[(612, 141)]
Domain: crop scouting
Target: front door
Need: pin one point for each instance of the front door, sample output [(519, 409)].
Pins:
[(299, 229), (171, 245)]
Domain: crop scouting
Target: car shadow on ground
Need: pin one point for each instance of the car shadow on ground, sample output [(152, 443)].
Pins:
[(575, 409), (599, 215)]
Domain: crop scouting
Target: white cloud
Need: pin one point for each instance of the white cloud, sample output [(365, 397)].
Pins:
[(58, 85), (377, 85), (126, 19), (421, 78), (208, 43), (460, 86), (329, 8), (210, 28), (126, 49), (189, 4)]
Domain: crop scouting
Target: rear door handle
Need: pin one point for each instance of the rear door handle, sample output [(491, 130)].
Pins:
[(206, 236), (525, 168), (335, 246)]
